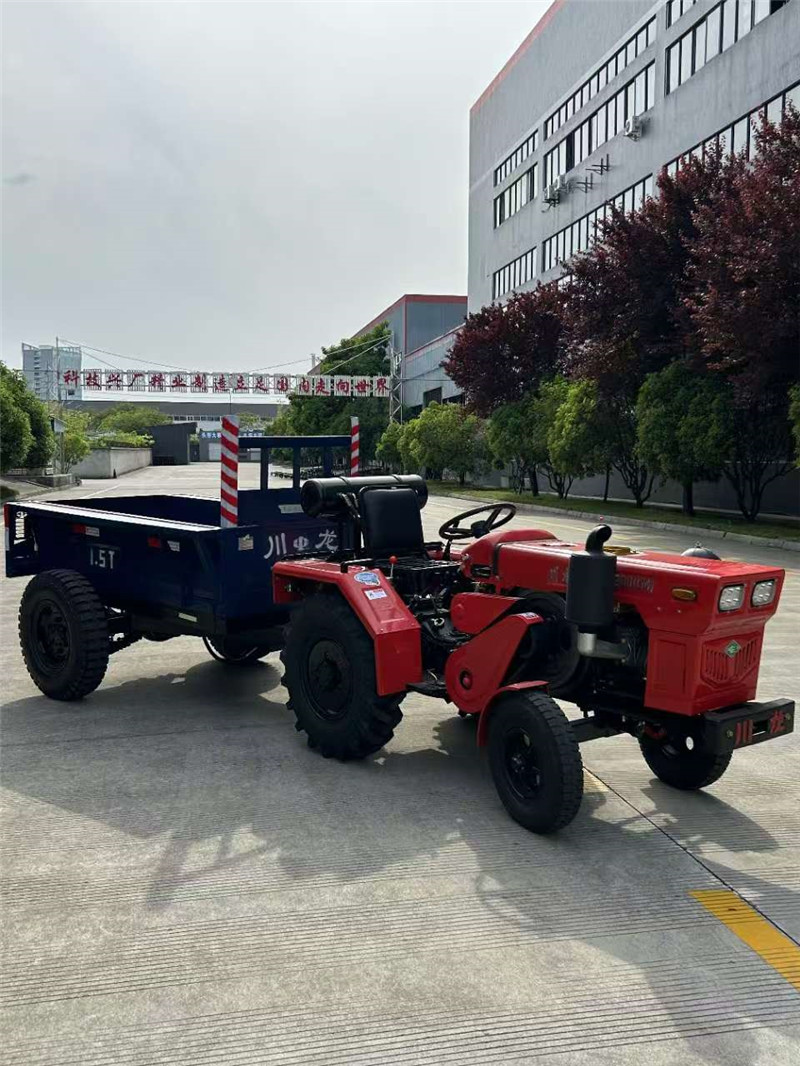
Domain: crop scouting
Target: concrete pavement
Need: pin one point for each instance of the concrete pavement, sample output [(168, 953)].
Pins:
[(185, 882)]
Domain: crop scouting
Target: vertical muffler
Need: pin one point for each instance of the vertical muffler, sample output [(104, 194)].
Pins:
[(591, 580)]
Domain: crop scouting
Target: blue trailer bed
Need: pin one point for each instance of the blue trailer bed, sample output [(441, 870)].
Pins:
[(162, 565)]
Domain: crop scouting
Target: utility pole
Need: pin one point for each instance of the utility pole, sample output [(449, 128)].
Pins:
[(395, 385), (58, 374)]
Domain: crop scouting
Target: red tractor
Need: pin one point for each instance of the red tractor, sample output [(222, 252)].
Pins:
[(663, 647)]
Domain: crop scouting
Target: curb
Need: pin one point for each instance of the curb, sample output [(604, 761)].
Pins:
[(675, 527)]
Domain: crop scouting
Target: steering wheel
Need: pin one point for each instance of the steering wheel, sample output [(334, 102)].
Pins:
[(453, 530)]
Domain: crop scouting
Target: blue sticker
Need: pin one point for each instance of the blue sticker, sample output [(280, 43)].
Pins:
[(367, 577)]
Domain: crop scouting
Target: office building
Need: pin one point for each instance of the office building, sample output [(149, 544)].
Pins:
[(44, 368), (599, 97)]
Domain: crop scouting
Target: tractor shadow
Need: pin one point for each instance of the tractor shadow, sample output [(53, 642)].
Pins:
[(201, 784)]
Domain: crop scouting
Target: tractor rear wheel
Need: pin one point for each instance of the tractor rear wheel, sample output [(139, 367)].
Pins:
[(675, 763), (535, 761), (329, 663), (238, 651), (63, 633)]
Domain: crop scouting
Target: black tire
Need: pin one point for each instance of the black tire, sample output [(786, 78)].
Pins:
[(675, 764), (239, 652), (563, 668), (535, 761), (329, 662), (63, 634)]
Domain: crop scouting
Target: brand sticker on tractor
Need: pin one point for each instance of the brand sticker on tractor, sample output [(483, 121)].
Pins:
[(375, 594), (367, 577), (246, 543), (733, 649), (174, 545)]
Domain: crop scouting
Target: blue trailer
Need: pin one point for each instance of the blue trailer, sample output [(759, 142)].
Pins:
[(106, 573)]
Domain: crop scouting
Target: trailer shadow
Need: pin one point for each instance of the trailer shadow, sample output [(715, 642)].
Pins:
[(202, 771)]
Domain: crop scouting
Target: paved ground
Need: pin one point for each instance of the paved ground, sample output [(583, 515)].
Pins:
[(185, 882)]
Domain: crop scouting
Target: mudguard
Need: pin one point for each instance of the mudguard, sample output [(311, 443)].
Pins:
[(475, 672), (395, 632)]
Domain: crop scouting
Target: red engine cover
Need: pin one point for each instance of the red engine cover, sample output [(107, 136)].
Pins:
[(700, 658)]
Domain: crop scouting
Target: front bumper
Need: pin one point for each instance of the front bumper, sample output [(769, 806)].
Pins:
[(747, 724)]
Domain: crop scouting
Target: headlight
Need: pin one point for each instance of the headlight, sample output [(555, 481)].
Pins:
[(731, 597), (763, 593)]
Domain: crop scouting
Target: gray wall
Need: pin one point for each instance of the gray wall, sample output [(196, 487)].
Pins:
[(416, 319), (425, 321), (422, 372), (579, 35)]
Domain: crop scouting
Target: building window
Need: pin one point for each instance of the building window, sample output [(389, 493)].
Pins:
[(739, 136), (517, 158), (719, 28), (601, 77), (514, 274), (516, 196), (581, 235), (632, 99)]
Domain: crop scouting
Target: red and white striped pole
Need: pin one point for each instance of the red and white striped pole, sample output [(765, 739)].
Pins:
[(229, 472), (354, 446)]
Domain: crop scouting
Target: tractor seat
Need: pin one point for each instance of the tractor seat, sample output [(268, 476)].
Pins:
[(392, 522)]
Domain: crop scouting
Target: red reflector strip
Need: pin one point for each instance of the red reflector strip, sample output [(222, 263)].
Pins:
[(6, 516), (153, 542), (77, 528)]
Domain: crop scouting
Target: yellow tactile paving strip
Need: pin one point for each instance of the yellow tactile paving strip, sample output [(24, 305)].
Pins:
[(774, 947)]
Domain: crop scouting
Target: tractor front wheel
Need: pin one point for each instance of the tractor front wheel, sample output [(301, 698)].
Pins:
[(679, 762), (329, 663), (535, 761)]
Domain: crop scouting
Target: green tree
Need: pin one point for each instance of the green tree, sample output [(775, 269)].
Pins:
[(313, 415), (448, 438), (16, 438), (578, 441), (388, 450), (509, 440), (794, 418), (407, 446), (42, 443), (75, 441), (249, 421), (130, 418), (542, 409), (684, 427)]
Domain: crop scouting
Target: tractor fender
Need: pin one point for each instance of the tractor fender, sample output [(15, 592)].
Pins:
[(475, 671), (483, 721), (395, 632)]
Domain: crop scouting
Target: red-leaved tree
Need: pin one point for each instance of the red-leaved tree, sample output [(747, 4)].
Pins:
[(625, 315), (503, 352), (744, 300)]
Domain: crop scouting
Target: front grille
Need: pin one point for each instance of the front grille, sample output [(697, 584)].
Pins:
[(721, 668)]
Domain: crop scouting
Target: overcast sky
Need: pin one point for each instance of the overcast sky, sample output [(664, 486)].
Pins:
[(236, 184)]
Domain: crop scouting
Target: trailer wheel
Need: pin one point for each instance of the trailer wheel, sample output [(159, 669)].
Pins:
[(675, 763), (240, 652), (535, 761), (329, 665), (63, 634)]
